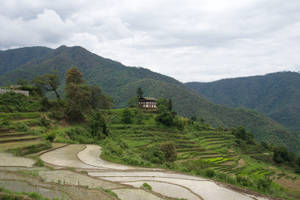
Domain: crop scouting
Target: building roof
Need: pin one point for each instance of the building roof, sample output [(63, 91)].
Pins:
[(147, 99)]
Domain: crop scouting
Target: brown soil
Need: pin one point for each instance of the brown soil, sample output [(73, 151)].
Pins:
[(229, 163), (289, 183), (241, 163)]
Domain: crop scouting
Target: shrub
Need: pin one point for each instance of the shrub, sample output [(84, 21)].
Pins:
[(210, 173), (242, 134), (146, 186), (165, 117), (31, 149), (20, 127), (126, 116), (196, 166), (57, 114), (243, 180), (154, 155), (112, 147), (44, 122), (80, 135), (97, 126), (45, 104), (264, 184), (169, 151), (51, 136), (5, 123), (13, 102), (39, 163)]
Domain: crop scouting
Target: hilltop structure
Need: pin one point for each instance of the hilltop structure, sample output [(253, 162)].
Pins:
[(13, 89), (147, 103)]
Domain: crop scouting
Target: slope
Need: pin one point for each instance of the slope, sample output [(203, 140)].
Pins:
[(276, 95), (11, 59), (121, 83)]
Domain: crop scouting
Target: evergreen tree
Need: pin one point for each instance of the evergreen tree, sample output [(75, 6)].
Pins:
[(74, 76), (170, 105), (77, 95), (139, 92)]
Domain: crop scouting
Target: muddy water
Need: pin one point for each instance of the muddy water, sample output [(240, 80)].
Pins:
[(135, 194), (20, 186), (66, 157), (74, 178), (166, 183), (90, 155), (7, 159), (167, 189)]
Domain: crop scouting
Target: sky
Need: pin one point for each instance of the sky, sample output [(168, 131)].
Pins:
[(190, 40)]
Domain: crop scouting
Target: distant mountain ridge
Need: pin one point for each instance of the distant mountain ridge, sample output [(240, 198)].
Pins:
[(277, 95), (121, 82)]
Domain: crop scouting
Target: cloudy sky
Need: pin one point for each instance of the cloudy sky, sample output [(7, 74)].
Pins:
[(191, 40)]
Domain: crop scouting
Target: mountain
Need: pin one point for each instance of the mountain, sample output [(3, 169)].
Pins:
[(276, 95), (11, 59), (121, 82)]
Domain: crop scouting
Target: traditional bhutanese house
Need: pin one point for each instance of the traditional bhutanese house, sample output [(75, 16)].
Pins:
[(147, 103)]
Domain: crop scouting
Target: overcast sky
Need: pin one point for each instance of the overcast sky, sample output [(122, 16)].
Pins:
[(190, 40)]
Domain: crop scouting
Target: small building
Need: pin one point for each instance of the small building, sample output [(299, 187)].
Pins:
[(7, 90), (147, 103)]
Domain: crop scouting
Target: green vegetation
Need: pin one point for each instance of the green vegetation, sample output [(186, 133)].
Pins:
[(122, 83), (12, 102), (276, 95), (163, 139), (8, 195), (226, 155), (110, 192), (146, 186)]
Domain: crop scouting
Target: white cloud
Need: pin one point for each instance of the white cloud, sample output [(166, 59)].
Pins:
[(193, 40)]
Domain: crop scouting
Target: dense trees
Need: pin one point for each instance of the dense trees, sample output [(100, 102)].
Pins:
[(77, 95), (48, 82), (80, 97), (98, 99)]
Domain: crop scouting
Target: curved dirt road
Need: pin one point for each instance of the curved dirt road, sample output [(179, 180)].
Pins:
[(164, 183)]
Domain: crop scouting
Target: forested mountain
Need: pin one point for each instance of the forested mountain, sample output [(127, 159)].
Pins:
[(11, 59), (121, 83), (277, 95)]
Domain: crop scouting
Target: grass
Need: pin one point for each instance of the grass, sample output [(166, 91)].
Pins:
[(201, 150), (207, 152), (19, 115), (9, 195), (34, 173), (30, 149), (110, 192), (146, 186)]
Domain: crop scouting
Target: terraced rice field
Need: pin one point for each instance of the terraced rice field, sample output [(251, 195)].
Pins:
[(207, 145), (164, 183), (20, 183), (12, 137)]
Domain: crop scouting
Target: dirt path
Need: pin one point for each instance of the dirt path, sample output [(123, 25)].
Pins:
[(165, 183)]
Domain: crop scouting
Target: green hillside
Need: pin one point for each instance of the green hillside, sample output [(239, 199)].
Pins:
[(11, 59), (200, 150), (134, 137), (276, 95), (121, 83)]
